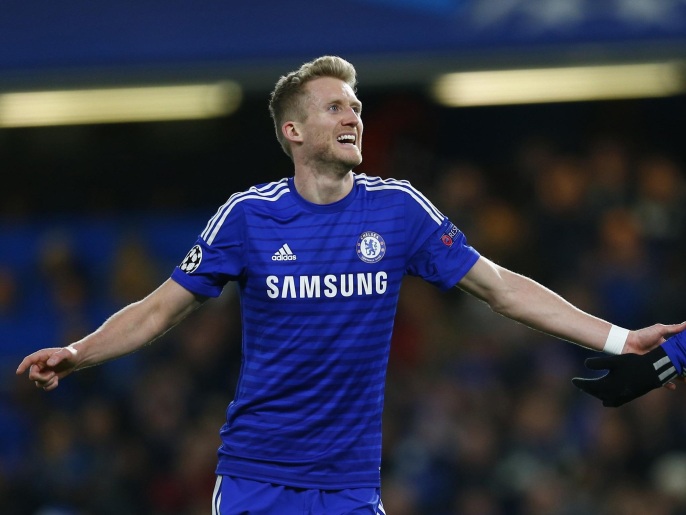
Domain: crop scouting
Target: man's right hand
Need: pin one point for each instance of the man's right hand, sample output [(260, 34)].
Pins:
[(47, 366)]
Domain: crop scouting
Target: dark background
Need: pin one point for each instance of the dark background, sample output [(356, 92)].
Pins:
[(480, 416)]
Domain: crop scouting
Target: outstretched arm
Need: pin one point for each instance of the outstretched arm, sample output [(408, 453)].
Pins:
[(526, 301), (128, 330)]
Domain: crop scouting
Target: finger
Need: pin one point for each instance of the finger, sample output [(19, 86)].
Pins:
[(49, 385), (602, 363), (590, 386), (40, 356), (25, 364), (579, 381), (671, 330), (62, 354), (52, 384), (37, 373), (613, 403), (55, 359)]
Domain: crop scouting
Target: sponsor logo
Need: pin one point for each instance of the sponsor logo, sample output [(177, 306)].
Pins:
[(192, 260), (329, 286), (371, 247), (284, 254), (448, 237)]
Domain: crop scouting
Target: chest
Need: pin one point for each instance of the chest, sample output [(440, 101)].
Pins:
[(310, 243), (322, 256)]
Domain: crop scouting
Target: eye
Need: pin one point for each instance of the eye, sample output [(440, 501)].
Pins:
[(334, 107)]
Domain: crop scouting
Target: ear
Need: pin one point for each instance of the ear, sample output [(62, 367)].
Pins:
[(291, 130)]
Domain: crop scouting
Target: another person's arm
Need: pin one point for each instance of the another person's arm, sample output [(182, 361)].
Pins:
[(128, 330), (630, 376)]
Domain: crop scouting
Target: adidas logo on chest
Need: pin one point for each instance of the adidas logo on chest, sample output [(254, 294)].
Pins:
[(284, 254)]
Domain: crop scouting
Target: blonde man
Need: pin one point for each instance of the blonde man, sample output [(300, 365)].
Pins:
[(319, 258)]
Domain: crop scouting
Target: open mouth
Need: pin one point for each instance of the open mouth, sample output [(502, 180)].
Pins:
[(348, 139)]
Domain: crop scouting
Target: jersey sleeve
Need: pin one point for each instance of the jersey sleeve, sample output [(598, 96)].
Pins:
[(217, 257), (675, 347), (438, 251)]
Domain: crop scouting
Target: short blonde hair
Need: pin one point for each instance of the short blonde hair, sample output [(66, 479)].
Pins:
[(285, 102)]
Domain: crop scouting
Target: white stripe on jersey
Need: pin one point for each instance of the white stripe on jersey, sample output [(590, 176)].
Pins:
[(274, 190), (394, 184), (217, 496), (270, 192)]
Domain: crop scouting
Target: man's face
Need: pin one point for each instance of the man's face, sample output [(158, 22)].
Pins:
[(332, 130)]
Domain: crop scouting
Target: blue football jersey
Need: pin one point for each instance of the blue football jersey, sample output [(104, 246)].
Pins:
[(319, 287)]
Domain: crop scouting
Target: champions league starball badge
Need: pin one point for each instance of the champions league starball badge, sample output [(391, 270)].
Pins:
[(371, 247), (192, 260)]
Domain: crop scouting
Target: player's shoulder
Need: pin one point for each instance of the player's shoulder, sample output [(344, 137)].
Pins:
[(373, 183), (262, 195), (389, 186), (258, 194), (268, 191), (411, 196)]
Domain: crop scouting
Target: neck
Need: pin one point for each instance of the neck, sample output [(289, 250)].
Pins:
[(323, 188)]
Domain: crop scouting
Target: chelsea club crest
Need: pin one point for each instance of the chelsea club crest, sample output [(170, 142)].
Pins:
[(371, 247)]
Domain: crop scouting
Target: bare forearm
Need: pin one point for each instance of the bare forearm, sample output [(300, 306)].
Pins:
[(526, 301), (123, 333), (536, 306), (135, 326)]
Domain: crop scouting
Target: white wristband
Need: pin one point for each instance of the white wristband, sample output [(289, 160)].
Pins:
[(616, 340)]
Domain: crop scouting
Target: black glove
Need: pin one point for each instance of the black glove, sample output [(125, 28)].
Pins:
[(629, 376)]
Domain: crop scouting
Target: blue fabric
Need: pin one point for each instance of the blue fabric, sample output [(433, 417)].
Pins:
[(246, 497), (675, 347), (319, 287)]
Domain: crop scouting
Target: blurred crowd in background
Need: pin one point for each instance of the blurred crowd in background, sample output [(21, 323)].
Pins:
[(480, 418)]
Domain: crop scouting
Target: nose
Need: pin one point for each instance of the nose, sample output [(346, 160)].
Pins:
[(352, 118)]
